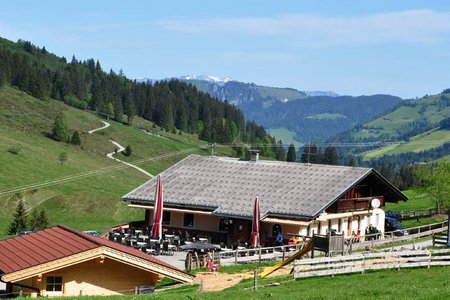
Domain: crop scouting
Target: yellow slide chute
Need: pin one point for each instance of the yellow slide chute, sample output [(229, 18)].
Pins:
[(308, 247)]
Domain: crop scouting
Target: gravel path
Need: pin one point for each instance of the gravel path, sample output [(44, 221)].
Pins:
[(106, 125), (120, 149)]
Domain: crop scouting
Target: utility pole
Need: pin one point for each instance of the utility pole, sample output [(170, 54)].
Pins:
[(309, 150), (212, 146)]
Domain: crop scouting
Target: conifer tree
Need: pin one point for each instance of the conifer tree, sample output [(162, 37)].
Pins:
[(59, 130), (2, 78), (291, 155), (128, 151), (19, 222), (75, 140), (330, 156), (38, 220)]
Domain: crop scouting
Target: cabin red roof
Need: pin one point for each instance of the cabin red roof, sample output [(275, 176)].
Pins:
[(53, 243)]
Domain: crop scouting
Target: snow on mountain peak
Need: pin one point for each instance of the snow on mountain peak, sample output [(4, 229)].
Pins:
[(207, 78)]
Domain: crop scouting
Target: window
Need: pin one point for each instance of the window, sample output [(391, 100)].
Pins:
[(223, 225), (166, 218), (188, 220), (54, 284)]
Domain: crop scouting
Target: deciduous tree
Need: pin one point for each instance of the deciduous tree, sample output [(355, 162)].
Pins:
[(435, 179)]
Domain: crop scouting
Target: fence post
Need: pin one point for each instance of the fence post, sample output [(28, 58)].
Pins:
[(393, 240), (448, 228), (284, 252), (260, 255), (363, 265), (20, 293), (429, 259), (235, 257), (135, 290), (255, 280)]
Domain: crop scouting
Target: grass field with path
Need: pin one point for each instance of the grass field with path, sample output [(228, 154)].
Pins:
[(89, 202)]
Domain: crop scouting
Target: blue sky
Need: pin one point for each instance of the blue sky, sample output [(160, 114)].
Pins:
[(355, 47)]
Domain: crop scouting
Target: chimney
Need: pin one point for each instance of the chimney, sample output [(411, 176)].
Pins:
[(254, 155)]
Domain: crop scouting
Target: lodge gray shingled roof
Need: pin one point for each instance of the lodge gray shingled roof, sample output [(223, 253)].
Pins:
[(228, 186)]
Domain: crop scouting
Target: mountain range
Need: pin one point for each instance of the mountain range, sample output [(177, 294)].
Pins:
[(293, 115)]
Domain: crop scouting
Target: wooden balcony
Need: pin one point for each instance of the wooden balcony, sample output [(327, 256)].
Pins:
[(354, 204)]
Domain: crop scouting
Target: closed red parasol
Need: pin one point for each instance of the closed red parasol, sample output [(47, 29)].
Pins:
[(158, 211), (255, 240)]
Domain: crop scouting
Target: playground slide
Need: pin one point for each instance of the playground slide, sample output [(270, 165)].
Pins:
[(308, 247)]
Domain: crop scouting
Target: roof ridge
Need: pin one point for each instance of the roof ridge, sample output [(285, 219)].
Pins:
[(80, 234), (271, 161)]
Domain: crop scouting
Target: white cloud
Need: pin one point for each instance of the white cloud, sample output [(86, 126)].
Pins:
[(414, 26)]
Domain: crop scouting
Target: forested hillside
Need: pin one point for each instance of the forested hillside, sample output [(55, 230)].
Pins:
[(417, 130), (292, 115), (319, 118), (83, 84), (408, 119)]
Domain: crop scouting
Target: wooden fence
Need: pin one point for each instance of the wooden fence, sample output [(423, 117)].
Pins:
[(242, 256), (417, 213), (359, 263), (440, 239), (409, 234)]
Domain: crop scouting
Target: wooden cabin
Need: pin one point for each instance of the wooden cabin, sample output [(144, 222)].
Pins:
[(60, 261), (214, 196)]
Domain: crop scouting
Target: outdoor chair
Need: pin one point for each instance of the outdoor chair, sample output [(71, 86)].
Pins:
[(166, 249)]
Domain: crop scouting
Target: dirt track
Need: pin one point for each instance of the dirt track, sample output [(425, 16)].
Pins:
[(216, 281)]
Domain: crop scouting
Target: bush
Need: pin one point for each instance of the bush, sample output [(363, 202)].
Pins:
[(15, 149), (75, 102), (63, 157)]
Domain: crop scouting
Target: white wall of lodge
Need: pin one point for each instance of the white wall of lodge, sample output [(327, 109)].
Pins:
[(348, 223)]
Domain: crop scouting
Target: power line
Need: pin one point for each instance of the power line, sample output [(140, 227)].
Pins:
[(101, 171), (338, 145)]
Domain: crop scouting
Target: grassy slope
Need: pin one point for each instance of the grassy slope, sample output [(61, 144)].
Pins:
[(388, 123), (284, 134), (87, 203), (422, 142), (327, 116), (388, 284), (416, 200), (280, 93)]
